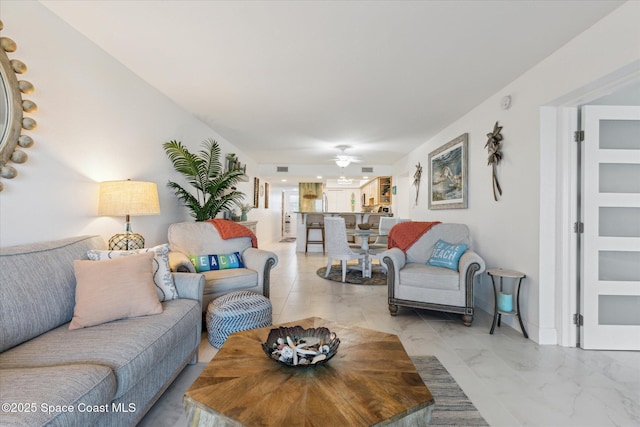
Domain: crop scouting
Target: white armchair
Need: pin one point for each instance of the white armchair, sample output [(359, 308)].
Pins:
[(413, 283), (202, 238)]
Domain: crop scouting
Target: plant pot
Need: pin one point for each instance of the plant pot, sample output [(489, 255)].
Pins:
[(243, 217)]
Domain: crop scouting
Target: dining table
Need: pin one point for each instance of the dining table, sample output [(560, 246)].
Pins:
[(363, 236)]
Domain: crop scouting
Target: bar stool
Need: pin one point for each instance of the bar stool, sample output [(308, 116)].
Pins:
[(315, 222)]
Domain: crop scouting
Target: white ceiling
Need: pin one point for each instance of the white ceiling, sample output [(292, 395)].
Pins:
[(287, 81)]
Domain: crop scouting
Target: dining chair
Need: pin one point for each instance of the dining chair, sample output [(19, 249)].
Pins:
[(381, 244), (337, 246), (350, 224), (386, 224)]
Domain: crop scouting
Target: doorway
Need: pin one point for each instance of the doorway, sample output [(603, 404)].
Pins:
[(561, 262), (609, 225)]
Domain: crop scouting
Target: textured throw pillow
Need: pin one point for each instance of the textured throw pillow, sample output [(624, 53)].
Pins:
[(114, 289), (216, 262), (162, 278), (446, 255)]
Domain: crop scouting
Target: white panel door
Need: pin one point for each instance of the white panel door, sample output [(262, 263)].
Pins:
[(611, 240)]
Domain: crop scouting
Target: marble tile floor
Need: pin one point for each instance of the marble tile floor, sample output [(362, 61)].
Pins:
[(511, 380)]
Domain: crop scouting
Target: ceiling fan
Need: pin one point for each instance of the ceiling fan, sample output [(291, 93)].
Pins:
[(343, 160)]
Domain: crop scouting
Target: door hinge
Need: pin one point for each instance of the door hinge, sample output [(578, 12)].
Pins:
[(578, 227), (578, 319), (578, 136)]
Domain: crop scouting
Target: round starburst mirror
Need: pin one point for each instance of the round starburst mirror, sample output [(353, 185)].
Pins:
[(12, 109)]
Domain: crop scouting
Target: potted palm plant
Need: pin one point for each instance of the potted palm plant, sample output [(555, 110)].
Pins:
[(214, 188)]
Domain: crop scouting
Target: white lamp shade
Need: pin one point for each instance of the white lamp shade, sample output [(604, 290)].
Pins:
[(120, 198)]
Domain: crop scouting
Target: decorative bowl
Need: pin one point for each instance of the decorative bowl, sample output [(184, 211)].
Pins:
[(300, 347), (364, 226)]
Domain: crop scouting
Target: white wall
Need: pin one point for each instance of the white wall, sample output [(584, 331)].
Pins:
[(507, 233), (97, 121)]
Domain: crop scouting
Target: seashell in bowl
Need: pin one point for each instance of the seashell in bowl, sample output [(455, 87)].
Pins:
[(300, 347), (364, 226)]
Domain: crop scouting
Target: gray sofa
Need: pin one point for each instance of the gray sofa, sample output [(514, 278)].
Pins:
[(104, 375)]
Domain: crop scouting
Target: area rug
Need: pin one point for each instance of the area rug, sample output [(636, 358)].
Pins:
[(452, 407), (354, 277)]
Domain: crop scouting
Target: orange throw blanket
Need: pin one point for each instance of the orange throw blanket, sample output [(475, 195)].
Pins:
[(405, 234), (231, 230)]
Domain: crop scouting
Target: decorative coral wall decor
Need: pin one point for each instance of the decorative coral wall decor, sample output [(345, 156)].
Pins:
[(416, 180), (493, 147)]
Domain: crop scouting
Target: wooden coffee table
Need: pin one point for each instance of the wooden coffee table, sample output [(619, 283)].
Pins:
[(370, 381)]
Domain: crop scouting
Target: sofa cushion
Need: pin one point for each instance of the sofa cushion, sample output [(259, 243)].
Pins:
[(446, 255), (114, 289), (426, 276), (220, 282), (162, 278), (204, 263), (135, 345), (57, 395), (38, 286)]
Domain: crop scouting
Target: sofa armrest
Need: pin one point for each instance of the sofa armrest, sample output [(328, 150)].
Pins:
[(189, 285), (179, 262), (261, 261)]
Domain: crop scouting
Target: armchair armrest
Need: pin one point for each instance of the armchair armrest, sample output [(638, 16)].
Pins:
[(261, 261), (189, 285), (467, 259), (179, 262), (394, 259)]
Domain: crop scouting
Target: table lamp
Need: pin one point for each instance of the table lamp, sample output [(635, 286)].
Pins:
[(118, 198)]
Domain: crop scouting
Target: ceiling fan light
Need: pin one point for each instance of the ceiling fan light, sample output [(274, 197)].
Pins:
[(342, 162)]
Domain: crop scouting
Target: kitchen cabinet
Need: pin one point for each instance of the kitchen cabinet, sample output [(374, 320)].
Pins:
[(384, 190), (377, 191)]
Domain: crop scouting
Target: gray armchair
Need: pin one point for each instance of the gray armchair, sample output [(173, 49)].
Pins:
[(413, 283), (202, 238)]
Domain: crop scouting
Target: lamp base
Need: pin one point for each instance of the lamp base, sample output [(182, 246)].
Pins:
[(126, 242)]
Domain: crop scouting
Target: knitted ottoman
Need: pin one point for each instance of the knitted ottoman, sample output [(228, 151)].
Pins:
[(234, 312)]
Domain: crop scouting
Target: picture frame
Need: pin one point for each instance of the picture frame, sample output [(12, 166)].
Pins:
[(266, 195), (448, 180), (256, 192)]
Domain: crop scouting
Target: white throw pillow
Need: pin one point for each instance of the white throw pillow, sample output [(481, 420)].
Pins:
[(162, 278)]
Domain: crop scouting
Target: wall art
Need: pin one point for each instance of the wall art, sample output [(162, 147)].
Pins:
[(417, 177), (493, 147), (256, 192), (448, 184)]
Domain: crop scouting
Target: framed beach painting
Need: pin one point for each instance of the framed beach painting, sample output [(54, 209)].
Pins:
[(448, 183)]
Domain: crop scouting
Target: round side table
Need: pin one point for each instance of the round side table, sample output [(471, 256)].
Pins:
[(497, 312)]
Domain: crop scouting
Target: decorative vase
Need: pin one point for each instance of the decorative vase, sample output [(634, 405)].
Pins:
[(243, 217)]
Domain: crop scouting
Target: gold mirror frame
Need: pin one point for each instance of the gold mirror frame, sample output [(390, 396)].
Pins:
[(11, 90)]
